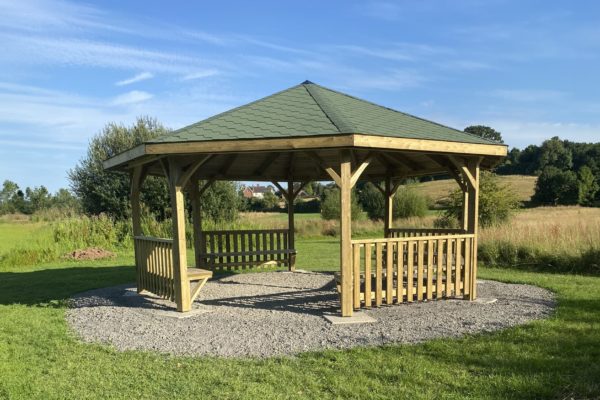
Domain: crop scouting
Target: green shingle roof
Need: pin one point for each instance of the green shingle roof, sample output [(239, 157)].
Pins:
[(309, 110)]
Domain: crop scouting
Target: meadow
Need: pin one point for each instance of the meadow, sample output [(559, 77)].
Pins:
[(556, 358)]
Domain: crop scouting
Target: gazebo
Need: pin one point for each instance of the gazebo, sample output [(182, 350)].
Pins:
[(302, 134)]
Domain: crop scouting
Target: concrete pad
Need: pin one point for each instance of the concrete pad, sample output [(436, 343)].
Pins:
[(485, 300), (359, 317)]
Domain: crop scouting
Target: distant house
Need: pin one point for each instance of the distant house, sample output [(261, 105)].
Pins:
[(257, 191)]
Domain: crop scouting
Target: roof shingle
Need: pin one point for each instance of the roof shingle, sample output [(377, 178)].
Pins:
[(308, 110)]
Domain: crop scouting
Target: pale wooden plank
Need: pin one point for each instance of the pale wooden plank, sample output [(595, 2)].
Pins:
[(378, 273), (420, 255), (368, 278), (430, 250), (409, 272), (389, 270)]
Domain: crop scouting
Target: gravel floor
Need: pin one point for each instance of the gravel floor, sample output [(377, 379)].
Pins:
[(278, 313)]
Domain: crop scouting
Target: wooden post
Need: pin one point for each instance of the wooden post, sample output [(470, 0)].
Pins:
[(136, 217), (346, 233), (196, 221), (465, 209), (291, 242), (473, 222), (182, 286), (389, 207)]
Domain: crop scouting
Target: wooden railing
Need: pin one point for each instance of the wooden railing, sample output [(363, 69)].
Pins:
[(154, 265), (395, 270), (237, 249), (418, 232)]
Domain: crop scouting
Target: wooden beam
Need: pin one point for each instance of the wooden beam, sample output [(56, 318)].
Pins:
[(307, 143), (291, 228), (462, 167), (359, 170), (290, 168), (389, 207), (205, 187), (330, 171), (302, 185), (182, 286), (473, 224), (346, 294), (191, 170), (281, 189)]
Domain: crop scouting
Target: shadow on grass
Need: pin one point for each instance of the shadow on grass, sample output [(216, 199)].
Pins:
[(56, 284)]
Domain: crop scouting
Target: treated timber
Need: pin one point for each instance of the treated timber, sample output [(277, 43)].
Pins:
[(346, 234)]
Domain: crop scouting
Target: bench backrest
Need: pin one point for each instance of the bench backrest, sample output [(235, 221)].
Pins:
[(243, 249)]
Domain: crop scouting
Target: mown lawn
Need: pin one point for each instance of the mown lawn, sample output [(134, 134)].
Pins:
[(39, 357)]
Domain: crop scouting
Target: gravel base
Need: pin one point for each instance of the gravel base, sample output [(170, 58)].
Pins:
[(278, 313)]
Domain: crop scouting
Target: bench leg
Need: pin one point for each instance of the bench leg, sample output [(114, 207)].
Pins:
[(195, 289)]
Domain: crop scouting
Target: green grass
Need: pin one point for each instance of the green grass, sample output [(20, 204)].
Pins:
[(14, 234), (40, 358)]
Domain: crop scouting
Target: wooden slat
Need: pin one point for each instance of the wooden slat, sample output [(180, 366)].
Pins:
[(378, 273), (368, 294), (449, 255), (401, 267), (458, 269), (440, 265), (467, 273), (389, 271), (409, 271), (430, 250), (356, 275), (420, 254)]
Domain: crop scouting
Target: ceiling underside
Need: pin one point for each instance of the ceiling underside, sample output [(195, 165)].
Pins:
[(308, 165)]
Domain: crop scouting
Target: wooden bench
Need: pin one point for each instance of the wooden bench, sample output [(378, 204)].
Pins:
[(242, 249)]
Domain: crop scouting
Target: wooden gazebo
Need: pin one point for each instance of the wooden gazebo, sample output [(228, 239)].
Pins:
[(311, 133)]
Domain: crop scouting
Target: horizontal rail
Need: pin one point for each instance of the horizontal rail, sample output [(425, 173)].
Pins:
[(409, 239), (154, 266), (245, 231), (154, 239)]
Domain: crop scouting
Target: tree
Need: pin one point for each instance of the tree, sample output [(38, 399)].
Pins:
[(485, 132), (330, 207), (554, 153), (588, 187), (108, 192), (556, 187), (8, 196), (497, 202)]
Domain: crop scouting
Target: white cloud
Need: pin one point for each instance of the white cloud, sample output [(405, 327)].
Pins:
[(135, 96), (137, 78), (200, 74)]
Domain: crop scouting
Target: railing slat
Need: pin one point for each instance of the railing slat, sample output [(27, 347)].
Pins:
[(368, 293), (378, 273), (429, 294), (440, 267), (421, 254), (410, 265), (356, 275)]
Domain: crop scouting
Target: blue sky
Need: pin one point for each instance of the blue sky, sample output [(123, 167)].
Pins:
[(526, 68)]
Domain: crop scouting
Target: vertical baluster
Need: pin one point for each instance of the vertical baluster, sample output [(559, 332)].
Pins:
[(389, 272), (356, 275), (378, 266), (409, 272), (449, 257), (429, 295), (440, 268), (467, 280), (420, 255), (401, 268), (458, 268), (368, 277)]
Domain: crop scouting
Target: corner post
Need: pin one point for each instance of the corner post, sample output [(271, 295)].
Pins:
[(196, 221), (137, 177), (346, 233), (182, 287), (473, 223), (291, 239), (389, 207)]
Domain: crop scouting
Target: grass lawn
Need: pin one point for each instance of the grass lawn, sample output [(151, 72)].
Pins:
[(40, 358), (15, 233)]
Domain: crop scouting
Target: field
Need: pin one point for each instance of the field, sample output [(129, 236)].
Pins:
[(554, 358), (523, 187)]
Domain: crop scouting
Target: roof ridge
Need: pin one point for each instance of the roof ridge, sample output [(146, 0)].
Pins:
[(336, 118), (401, 112)]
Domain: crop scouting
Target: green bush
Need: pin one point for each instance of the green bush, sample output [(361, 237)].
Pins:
[(330, 208), (407, 202), (556, 187), (497, 202)]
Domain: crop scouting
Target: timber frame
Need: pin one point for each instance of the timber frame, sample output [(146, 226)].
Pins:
[(403, 266)]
